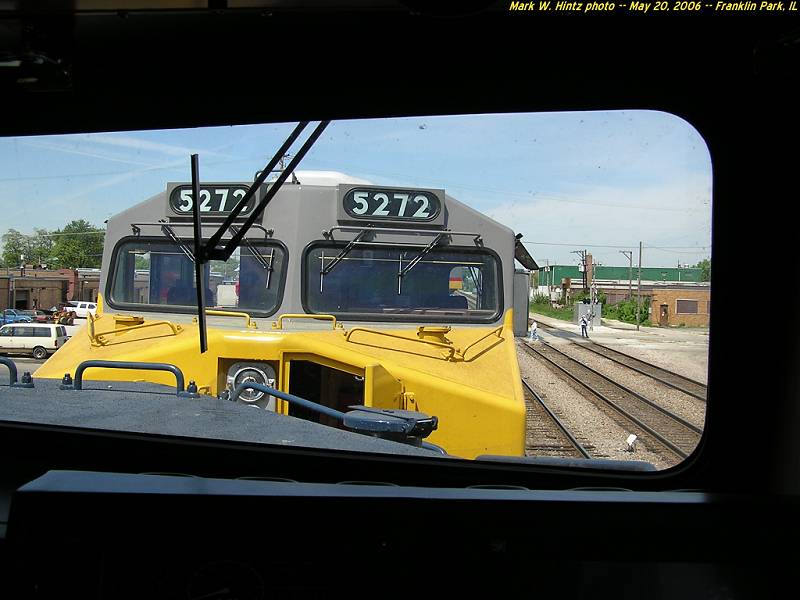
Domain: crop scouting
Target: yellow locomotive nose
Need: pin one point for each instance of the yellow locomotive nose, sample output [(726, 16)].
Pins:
[(389, 298)]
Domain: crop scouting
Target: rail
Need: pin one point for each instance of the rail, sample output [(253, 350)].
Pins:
[(497, 331), (449, 348), (77, 383), (453, 353), (558, 423), (97, 339), (328, 233), (27, 381), (279, 323), (248, 320), (617, 402)]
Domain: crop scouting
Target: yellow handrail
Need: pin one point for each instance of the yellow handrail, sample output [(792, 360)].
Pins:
[(97, 339), (453, 353), (230, 313), (450, 349), (279, 323), (498, 330)]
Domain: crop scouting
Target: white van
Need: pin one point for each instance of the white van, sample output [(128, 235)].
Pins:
[(39, 339), (82, 309)]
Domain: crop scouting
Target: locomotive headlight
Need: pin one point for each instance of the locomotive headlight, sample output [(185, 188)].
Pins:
[(262, 373)]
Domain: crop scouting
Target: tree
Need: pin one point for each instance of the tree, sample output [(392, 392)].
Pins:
[(705, 269), (40, 247), (15, 245), (78, 245)]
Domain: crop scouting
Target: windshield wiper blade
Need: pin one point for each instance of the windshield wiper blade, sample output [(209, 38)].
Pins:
[(265, 264), (339, 258), (199, 270), (204, 253), (403, 271), (210, 250), (167, 230)]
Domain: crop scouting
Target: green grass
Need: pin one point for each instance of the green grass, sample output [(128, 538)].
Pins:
[(565, 314)]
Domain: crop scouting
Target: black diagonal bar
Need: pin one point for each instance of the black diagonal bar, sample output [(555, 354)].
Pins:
[(199, 263), (233, 243), (214, 240)]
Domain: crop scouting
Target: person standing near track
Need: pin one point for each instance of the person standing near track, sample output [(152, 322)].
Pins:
[(584, 323)]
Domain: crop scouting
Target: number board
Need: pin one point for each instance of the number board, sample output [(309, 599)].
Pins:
[(215, 199), (367, 203)]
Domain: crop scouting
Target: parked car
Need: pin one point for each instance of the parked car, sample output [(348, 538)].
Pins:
[(38, 339), (82, 309), (36, 315), (12, 315)]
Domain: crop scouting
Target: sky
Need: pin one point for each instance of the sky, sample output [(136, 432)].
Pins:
[(596, 181)]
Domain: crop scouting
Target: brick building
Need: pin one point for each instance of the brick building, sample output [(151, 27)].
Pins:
[(676, 305), (677, 295), (39, 288)]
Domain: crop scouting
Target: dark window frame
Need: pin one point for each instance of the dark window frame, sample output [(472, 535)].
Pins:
[(183, 308), (405, 318)]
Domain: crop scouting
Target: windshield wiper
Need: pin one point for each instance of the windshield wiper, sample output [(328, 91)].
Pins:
[(335, 261), (265, 264), (475, 274), (176, 240), (403, 271), (206, 252)]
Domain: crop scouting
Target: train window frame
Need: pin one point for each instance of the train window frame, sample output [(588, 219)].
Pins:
[(181, 308), (408, 318)]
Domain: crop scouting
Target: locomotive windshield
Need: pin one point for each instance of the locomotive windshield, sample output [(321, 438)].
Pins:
[(157, 272), (446, 284), (431, 265)]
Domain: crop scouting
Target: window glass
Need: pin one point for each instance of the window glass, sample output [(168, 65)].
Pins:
[(43, 332), (687, 307), (456, 253), (391, 284), (152, 273)]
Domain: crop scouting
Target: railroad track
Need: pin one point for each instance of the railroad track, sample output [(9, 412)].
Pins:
[(546, 434), (674, 380), (654, 425)]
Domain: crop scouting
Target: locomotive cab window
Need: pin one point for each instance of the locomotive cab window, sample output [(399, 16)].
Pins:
[(447, 284), (154, 274)]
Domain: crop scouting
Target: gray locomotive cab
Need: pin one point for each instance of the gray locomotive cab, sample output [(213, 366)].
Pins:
[(326, 243)]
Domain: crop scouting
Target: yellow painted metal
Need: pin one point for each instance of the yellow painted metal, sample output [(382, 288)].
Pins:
[(123, 326), (382, 389), (476, 393)]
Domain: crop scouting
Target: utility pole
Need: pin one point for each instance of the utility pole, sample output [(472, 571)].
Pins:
[(629, 254), (589, 269), (582, 254), (549, 278), (589, 266), (639, 288)]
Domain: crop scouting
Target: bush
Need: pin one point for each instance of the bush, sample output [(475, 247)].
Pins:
[(540, 299), (626, 311)]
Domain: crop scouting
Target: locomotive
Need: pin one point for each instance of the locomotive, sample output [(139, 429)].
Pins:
[(343, 293)]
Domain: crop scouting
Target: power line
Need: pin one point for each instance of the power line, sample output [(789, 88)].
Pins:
[(102, 232), (37, 235), (618, 246)]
